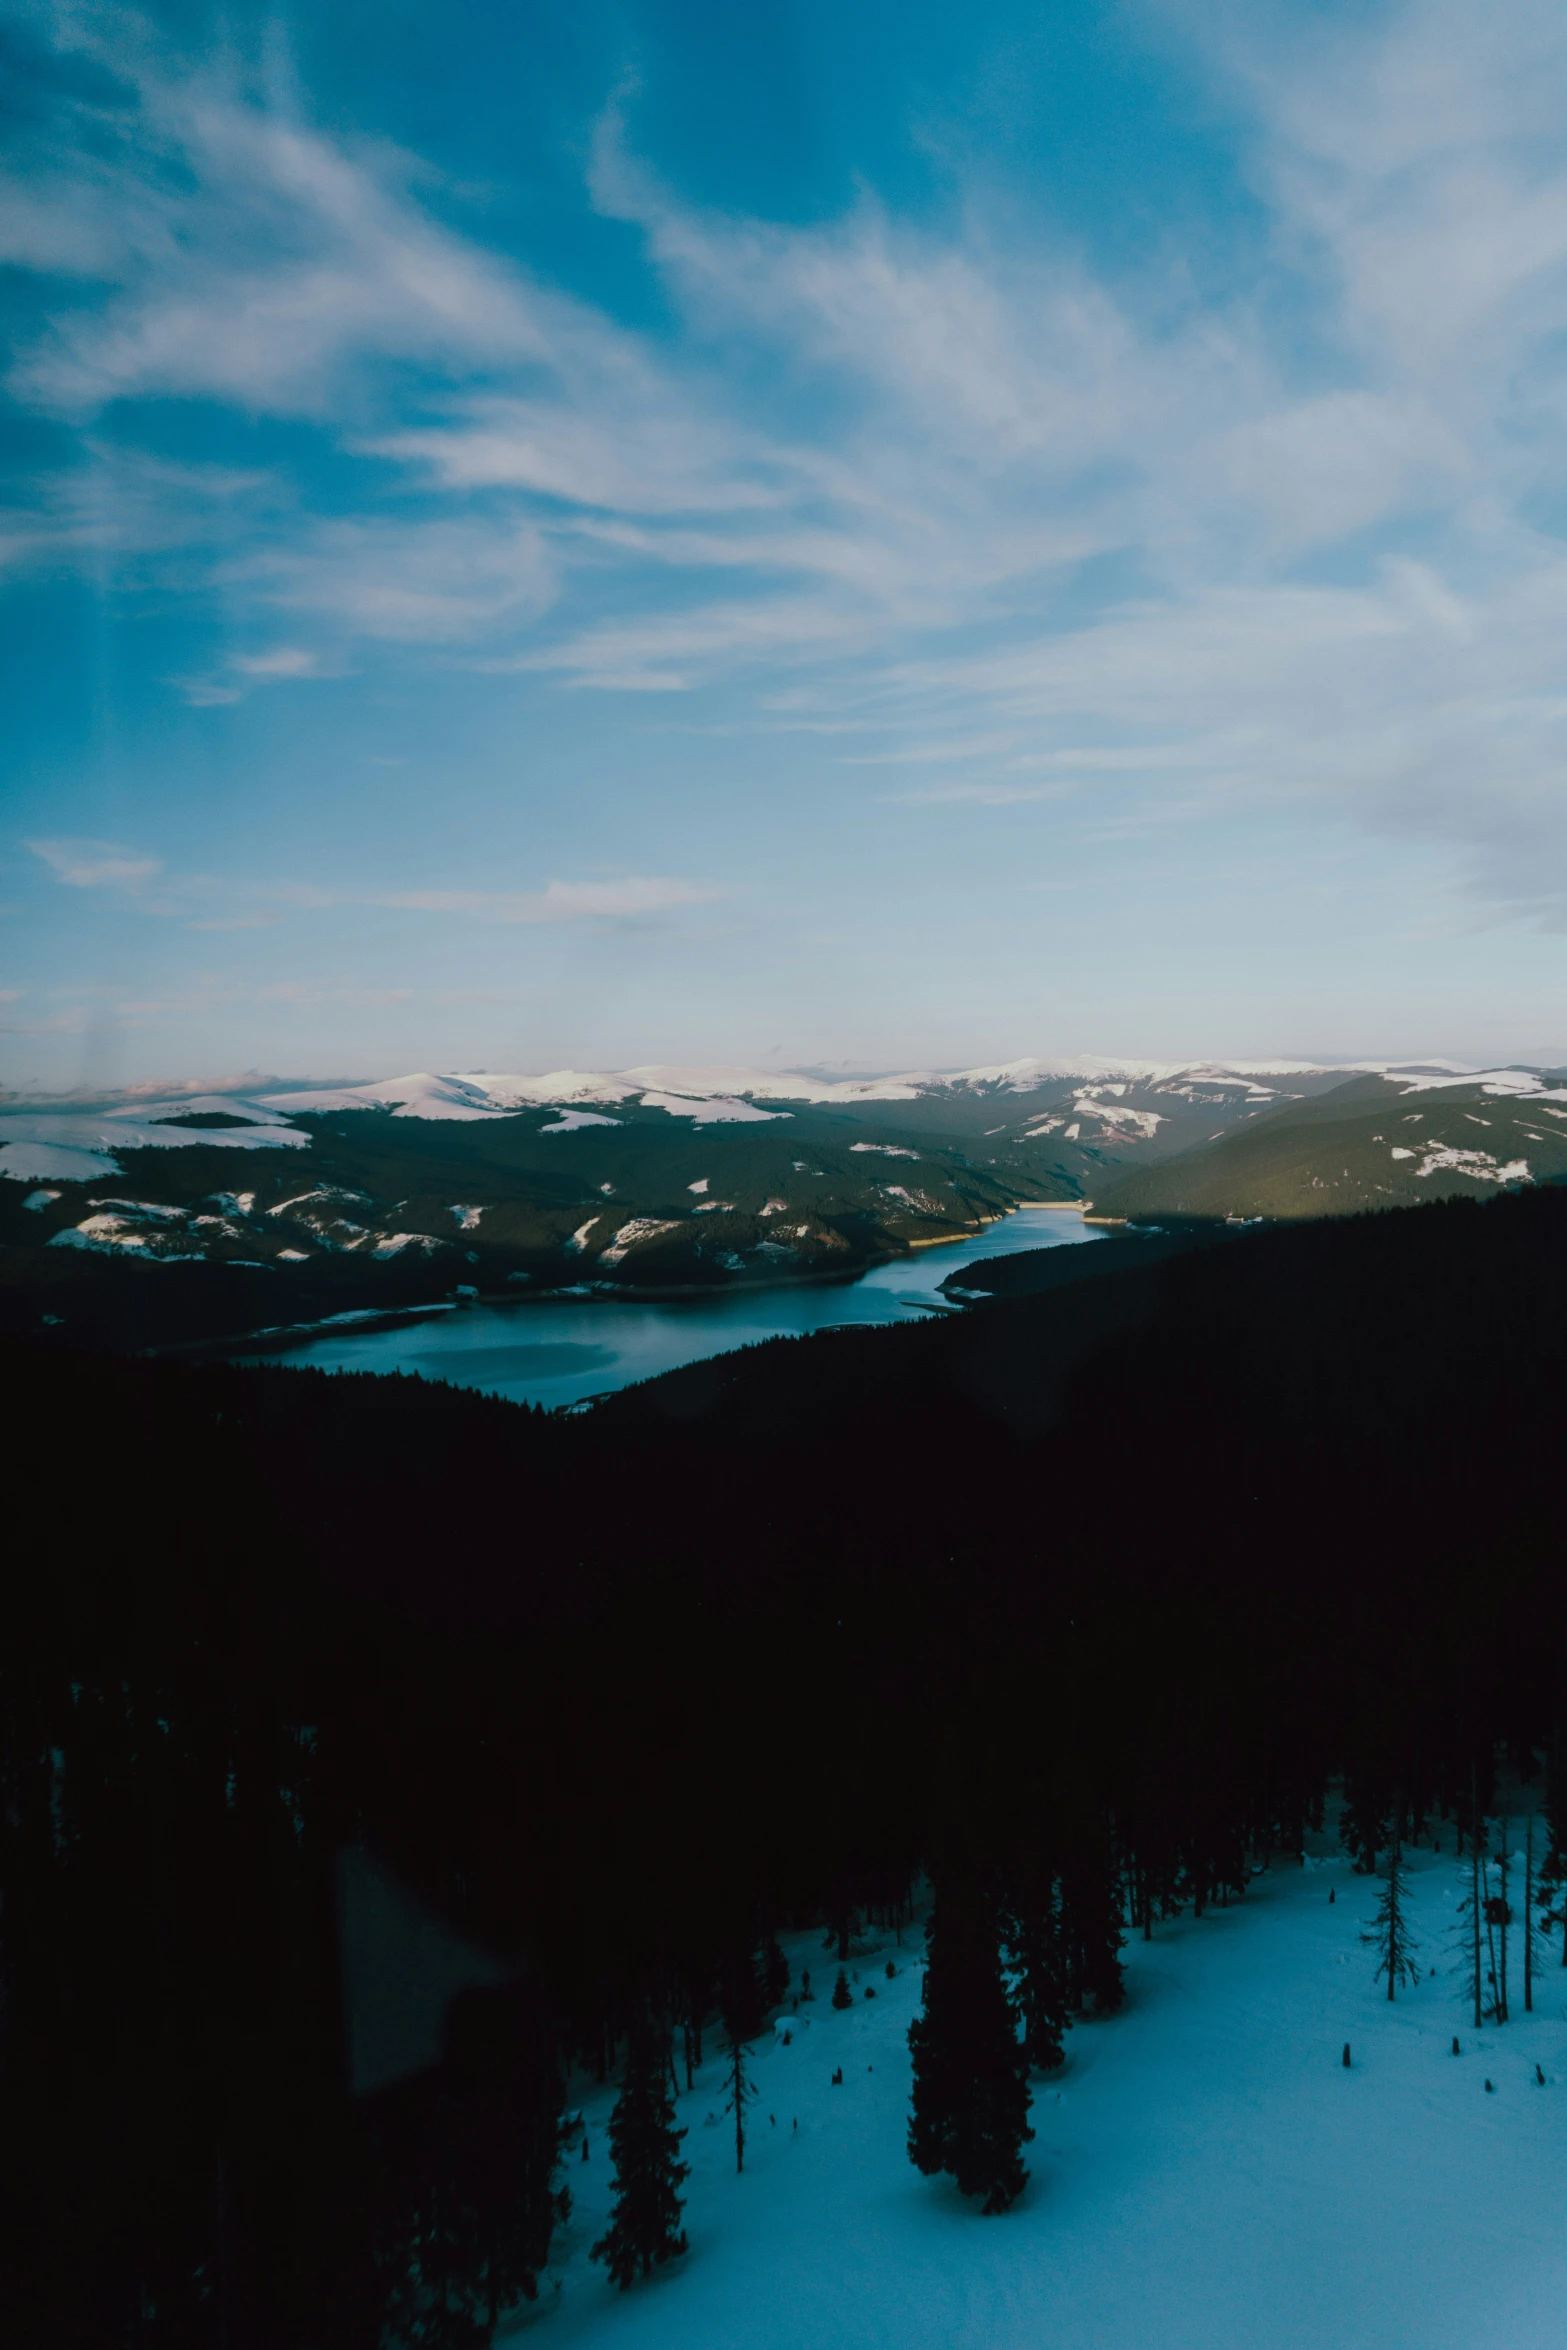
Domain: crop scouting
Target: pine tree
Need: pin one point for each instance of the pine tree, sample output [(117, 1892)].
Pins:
[(775, 1971), (842, 1996), (1479, 1913), (1502, 1909), (1389, 1934), (1363, 1822), (644, 2227), (1034, 1953), (970, 2114), (1532, 1897), (741, 2091)]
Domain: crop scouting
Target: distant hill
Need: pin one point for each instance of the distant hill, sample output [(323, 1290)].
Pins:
[(1372, 1141), (199, 1214)]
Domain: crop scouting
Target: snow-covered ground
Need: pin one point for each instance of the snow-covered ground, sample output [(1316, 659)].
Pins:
[(1205, 2175)]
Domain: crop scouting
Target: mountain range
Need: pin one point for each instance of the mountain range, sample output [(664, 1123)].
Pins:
[(195, 1210)]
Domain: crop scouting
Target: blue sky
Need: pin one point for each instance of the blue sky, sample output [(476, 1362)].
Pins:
[(860, 534)]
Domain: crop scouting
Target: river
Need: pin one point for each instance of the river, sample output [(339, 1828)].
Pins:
[(560, 1350)]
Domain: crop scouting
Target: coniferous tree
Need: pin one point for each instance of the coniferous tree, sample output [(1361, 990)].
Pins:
[(742, 2089), (474, 2203), (1468, 1938), (1502, 1909), (644, 2227), (1363, 1822), (1090, 1929), (842, 1996), (970, 2115), (1531, 1895), (1389, 1935), (1033, 1945), (774, 1970), (1553, 1868)]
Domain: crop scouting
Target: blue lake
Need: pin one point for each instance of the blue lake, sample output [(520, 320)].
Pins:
[(560, 1350)]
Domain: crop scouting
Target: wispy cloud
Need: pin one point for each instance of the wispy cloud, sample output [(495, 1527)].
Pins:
[(97, 864), (943, 486), (560, 901), (213, 902)]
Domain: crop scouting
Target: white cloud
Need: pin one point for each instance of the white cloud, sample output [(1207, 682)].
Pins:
[(207, 902), (254, 260), (433, 581), (867, 466), (97, 864), (283, 661), (560, 901)]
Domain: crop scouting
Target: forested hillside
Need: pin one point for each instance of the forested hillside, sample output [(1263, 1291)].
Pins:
[(1122, 1574), (1394, 1139)]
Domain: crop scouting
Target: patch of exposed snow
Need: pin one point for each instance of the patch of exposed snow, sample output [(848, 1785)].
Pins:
[(149, 1211), (700, 1185), (886, 1150), (73, 1144), (572, 1121), (720, 1110), (1117, 1115), (632, 1234), (1481, 1166), (1206, 2174), (39, 1200), (579, 1239), (711, 1207), (25, 1162), (418, 1096), (108, 1234), (293, 1256), (467, 1218), (1398, 1152), (323, 1191), (392, 1244), (774, 1207)]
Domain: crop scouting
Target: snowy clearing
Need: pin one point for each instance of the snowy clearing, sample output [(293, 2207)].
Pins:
[(1205, 2174)]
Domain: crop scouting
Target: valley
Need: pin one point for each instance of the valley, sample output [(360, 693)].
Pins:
[(196, 1216)]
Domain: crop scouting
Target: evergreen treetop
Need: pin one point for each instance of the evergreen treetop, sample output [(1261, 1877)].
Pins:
[(644, 2229)]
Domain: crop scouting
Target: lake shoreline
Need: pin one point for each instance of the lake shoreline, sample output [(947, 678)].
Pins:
[(283, 1337)]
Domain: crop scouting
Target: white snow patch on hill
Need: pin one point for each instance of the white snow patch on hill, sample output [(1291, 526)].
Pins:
[(28, 1162), (78, 1148), (630, 1236), (1205, 2174), (1481, 1166), (722, 1111)]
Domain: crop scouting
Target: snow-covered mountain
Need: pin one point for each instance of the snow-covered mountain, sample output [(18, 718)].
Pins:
[(353, 1196)]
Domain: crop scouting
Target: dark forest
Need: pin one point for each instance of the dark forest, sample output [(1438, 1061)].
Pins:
[(1067, 1608)]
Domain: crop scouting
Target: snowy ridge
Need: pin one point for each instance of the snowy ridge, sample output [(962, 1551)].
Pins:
[(62, 1141)]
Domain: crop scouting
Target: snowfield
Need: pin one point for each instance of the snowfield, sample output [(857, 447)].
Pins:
[(1205, 2174)]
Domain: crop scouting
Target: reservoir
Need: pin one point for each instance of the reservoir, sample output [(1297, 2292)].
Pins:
[(560, 1349)]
